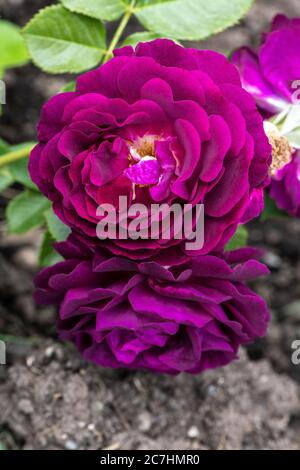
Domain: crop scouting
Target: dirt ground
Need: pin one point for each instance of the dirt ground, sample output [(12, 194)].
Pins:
[(51, 399)]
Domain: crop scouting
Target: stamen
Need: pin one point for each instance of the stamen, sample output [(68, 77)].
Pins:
[(143, 147), (282, 151)]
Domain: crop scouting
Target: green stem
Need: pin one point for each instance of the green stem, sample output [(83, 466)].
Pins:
[(15, 155), (119, 31)]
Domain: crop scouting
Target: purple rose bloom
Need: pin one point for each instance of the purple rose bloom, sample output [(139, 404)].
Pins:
[(158, 124), (285, 187), (270, 74), (121, 313)]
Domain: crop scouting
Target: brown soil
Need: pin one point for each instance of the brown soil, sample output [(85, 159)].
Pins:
[(55, 401)]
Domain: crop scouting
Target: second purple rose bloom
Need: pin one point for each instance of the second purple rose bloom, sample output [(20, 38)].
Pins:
[(141, 315), (272, 75)]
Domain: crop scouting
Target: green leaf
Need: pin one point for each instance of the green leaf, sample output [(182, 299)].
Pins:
[(145, 3), (4, 147), (26, 211), (19, 170), (190, 19), (108, 10), (60, 41), (16, 171), (47, 255), (13, 49), (58, 230), (135, 38), (6, 178), (71, 86), (271, 211), (239, 239)]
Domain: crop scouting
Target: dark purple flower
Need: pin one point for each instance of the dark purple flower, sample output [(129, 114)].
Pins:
[(161, 124), (285, 187), (269, 74), (272, 76), (120, 313)]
